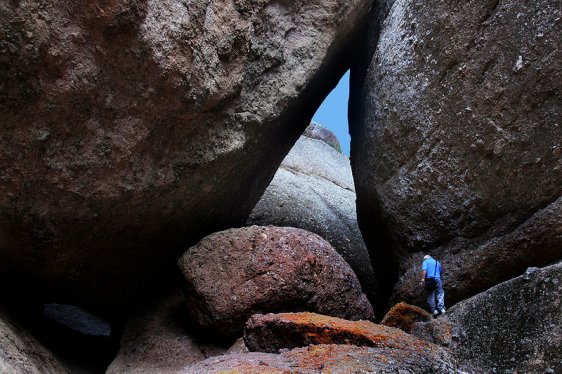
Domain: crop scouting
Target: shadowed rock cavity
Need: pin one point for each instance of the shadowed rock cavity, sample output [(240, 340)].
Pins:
[(130, 129), (22, 353), (80, 340), (456, 143), (161, 339)]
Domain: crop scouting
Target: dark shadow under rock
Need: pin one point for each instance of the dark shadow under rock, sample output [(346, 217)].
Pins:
[(162, 339)]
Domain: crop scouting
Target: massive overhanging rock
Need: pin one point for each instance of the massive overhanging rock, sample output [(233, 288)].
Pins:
[(456, 149), (133, 128)]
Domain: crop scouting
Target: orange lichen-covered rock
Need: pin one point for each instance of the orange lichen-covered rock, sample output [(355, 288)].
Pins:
[(403, 316), (344, 359), (273, 332)]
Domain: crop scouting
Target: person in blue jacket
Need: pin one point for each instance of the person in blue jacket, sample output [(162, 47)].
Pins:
[(431, 280)]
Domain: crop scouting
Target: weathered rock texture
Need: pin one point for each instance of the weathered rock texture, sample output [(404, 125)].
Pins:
[(234, 274), (437, 331), (239, 347), (273, 332), (313, 190), (404, 316), (132, 127), (319, 132), (160, 341), (333, 359), (512, 327), (21, 353), (456, 142)]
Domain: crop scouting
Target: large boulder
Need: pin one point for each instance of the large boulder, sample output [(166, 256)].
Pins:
[(160, 340), (21, 353), (232, 275), (456, 142), (333, 359), (512, 327), (313, 190), (132, 128), (272, 333), (405, 316)]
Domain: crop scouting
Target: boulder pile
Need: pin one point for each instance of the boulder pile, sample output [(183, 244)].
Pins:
[(153, 213), (314, 190), (231, 275), (132, 129)]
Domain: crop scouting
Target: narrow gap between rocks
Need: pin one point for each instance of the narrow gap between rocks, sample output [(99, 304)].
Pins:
[(332, 114)]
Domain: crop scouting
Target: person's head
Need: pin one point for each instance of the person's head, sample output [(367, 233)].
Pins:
[(426, 257)]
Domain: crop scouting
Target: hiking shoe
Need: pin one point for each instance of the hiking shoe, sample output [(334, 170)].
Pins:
[(435, 313), (442, 311)]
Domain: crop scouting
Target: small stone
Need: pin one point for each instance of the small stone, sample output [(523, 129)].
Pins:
[(518, 64)]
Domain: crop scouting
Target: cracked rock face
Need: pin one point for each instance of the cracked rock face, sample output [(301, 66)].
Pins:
[(456, 143), (131, 128), (512, 327), (231, 275), (313, 190)]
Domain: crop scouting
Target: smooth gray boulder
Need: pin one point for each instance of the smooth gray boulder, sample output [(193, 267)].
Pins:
[(313, 190), (131, 129), (512, 327), (456, 128)]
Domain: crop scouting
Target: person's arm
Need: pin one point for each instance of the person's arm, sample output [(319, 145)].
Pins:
[(423, 276)]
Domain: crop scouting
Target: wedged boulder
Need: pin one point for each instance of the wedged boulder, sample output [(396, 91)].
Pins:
[(231, 275), (404, 316), (273, 332), (319, 132), (21, 353), (333, 359), (512, 327), (160, 340), (130, 129), (456, 142), (313, 190)]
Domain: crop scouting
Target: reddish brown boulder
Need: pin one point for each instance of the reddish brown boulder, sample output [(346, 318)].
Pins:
[(131, 128), (231, 275), (273, 332), (334, 359), (403, 316)]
